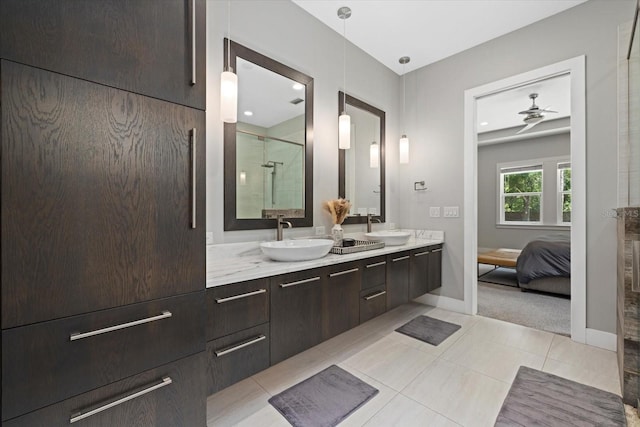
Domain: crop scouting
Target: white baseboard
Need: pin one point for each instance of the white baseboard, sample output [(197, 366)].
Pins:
[(445, 303), (601, 339)]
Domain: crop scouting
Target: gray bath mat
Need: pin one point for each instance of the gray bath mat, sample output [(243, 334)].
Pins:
[(428, 329), (541, 399), (324, 399)]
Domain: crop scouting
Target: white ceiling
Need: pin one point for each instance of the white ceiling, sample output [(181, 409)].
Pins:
[(428, 30), (500, 110)]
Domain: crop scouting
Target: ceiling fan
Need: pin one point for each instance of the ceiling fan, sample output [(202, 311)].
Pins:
[(534, 114)]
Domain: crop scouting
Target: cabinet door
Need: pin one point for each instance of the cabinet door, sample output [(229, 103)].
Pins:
[(340, 305), (171, 395), (418, 283), (374, 272), (435, 269), (397, 279), (232, 308), (296, 313), (142, 46), (373, 302), (236, 357), (97, 197)]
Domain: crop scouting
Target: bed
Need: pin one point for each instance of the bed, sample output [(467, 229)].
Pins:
[(545, 265)]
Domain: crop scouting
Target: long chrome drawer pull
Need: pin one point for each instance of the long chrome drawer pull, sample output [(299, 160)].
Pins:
[(235, 297), (78, 336), (194, 178), (375, 295), (377, 264), (340, 273), (299, 282), (81, 416), (401, 258), (239, 346), (193, 42), (437, 250), (421, 253)]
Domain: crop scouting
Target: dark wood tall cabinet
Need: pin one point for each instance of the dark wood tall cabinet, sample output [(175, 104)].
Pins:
[(102, 212)]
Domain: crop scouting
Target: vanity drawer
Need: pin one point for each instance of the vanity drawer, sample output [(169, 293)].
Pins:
[(373, 302), (374, 271), (48, 362), (236, 357), (233, 308), (172, 395)]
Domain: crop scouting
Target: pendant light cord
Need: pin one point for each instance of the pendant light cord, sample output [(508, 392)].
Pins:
[(344, 63), (229, 36), (404, 100)]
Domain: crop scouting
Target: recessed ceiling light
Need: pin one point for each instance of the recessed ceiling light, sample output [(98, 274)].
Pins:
[(484, 123), (248, 113), (298, 86)]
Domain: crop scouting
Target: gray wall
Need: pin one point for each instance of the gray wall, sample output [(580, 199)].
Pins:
[(285, 32), (435, 110), (515, 237)]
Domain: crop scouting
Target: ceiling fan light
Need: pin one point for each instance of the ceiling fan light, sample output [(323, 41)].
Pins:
[(536, 118)]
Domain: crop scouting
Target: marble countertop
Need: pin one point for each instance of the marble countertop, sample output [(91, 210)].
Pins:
[(238, 262)]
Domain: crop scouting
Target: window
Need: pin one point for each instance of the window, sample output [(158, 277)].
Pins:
[(564, 193), (521, 195)]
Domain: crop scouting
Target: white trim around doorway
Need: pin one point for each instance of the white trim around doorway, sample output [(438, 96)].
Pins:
[(575, 67)]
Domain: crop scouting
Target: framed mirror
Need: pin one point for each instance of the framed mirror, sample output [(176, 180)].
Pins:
[(268, 153), (361, 168)]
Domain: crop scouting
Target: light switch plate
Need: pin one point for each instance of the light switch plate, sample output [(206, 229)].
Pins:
[(209, 237), (434, 212), (451, 211), (320, 230)]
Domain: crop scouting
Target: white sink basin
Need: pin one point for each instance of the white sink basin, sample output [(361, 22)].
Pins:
[(296, 250), (390, 238)]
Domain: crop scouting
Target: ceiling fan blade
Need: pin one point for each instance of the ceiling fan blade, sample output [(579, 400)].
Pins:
[(546, 110), (527, 127)]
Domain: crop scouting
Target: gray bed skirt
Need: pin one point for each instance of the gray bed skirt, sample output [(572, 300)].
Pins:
[(556, 285)]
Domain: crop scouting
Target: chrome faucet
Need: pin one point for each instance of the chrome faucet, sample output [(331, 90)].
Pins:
[(281, 222), (370, 220)]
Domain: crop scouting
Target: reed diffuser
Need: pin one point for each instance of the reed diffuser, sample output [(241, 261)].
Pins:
[(339, 209)]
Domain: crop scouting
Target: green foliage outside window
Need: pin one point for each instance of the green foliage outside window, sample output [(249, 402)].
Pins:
[(518, 206)]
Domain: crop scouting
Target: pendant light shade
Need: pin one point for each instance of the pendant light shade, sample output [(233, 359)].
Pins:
[(374, 155), (403, 147), (403, 144), (228, 97), (344, 131), (228, 82), (344, 121)]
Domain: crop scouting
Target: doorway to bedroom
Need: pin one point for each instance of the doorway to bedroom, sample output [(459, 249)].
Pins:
[(522, 141)]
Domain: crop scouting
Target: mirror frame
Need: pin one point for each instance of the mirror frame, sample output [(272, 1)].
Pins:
[(355, 102), (230, 170)]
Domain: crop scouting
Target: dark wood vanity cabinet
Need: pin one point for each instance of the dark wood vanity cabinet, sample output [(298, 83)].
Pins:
[(398, 277), (340, 304), (434, 276), (150, 47), (102, 212), (426, 270), (237, 332), (296, 313)]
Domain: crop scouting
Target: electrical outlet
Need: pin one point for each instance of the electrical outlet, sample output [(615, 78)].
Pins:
[(392, 226), (434, 212), (451, 212), (209, 237), (320, 230)]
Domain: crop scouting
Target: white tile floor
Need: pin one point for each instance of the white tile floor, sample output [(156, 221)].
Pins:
[(463, 381)]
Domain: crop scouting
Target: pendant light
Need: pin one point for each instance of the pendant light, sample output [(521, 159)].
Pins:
[(374, 155), (344, 121), (228, 82), (403, 145)]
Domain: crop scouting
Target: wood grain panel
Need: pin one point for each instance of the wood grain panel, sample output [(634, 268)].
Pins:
[(397, 279), (180, 404), (41, 366), (340, 304), (142, 46), (96, 197)]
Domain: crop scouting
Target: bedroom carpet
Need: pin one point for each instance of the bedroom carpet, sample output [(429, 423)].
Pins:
[(323, 400), (500, 276), (542, 399), (535, 310)]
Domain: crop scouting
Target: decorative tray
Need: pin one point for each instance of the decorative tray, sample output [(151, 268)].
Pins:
[(361, 245)]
